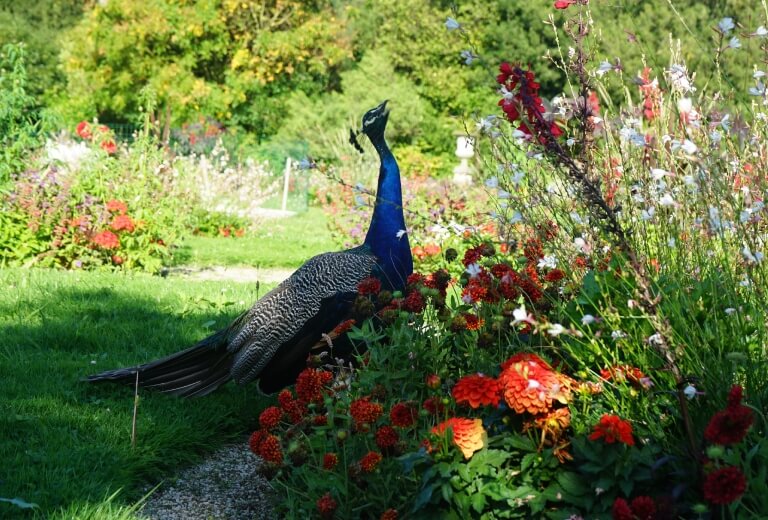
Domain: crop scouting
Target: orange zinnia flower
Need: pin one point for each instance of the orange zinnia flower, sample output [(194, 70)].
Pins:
[(468, 434), (477, 390), (530, 385)]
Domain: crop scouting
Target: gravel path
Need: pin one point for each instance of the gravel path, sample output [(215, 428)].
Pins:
[(226, 486)]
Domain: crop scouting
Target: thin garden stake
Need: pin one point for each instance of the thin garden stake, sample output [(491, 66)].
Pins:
[(135, 411)]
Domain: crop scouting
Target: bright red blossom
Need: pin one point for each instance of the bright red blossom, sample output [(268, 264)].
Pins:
[(270, 417), (369, 462), (386, 437), (621, 510), (123, 223), (269, 449), (108, 146), (730, 426), (724, 485), (106, 240), (473, 322), (117, 206), (434, 406), (414, 302), (369, 286), (327, 506), (309, 385), (402, 415), (330, 460), (83, 129), (476, 391), (364, 413), (530, 385), (255, 440), (612, 428), (389, 514)]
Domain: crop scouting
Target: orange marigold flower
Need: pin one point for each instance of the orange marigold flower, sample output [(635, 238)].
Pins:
[(468, 434), (364, 413), (389, 514), (270, 417), (612, 428), (386, 437), (403, 415), (327, 506), (476, 391), (123, 223), (369, 462), (309, 385), (330, 460), (530, 385), (106, 240), (473, 322), (117, 206), (270, 449)]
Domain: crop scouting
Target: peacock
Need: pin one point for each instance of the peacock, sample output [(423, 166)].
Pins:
[(272, 340)]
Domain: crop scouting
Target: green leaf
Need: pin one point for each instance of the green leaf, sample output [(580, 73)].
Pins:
[(572, 483), (478, 502), (626, 486)]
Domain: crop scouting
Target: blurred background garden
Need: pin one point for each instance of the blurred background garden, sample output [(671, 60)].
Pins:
[(142, 143)]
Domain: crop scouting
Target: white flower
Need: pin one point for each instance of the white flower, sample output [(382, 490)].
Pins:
[(451, 24), (715, 136), (758, 90), (570, 141), (647, 214), (758, 74), (657, 173), (730, 310), (521, 315), (671, 242), (678, 77), (487, 124), (400, 233), (533, 384), (761, 32), (492, 182), (556, 330), (734, 43), (604, 67), (467, 298), (618, 334), (473, 270), (549, 261), (469, 57), (588, 319), (750, 257), (726, 25), (690, 391), (667, 201), (599, 491), (655, 339)]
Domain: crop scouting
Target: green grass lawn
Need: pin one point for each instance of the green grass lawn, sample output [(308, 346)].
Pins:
[(285, 242), (67, 444)]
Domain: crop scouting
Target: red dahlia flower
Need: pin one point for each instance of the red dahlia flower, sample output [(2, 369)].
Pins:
[(327, 506), (621, 510), (389, 514), (369, 461), (477, 390), (402, 415), (612, 428), (386, 437), (369, 286), (724, 485), (530, 385), (644, 508), (730, 426)]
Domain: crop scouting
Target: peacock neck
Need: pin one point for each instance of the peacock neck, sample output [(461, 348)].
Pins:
[(384, 236)]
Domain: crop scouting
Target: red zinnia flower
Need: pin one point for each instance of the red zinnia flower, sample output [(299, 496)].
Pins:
[(83, 129), (468, 434), (106, 240), (330, 460), (269, 449), (370, 285), (644, 508), (612, 428), (402, 415), (270, 417), (414, 302), (477, 390), (621, 510), (123, 222), (473, 322), (364, 413), (309, 385), (117, 206), (327, 506), (386, 437), (369, 462), (389, 514), (730, 426), (724, 485)]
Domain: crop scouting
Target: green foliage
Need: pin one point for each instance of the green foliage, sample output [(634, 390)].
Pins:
[(18, 125)]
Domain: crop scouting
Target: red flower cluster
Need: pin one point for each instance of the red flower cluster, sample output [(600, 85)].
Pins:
[(565, 4), (310, 383), (522, 96), (270, 418), (83, 129), (266, 446), (117, 206), (730, 426), (295, 409), (476, 391), (106, 240), (414, 302), (364, 413), (330, 460), (386, 437), (612, 428), (651, 95), (369, 286), (403, 415), (724, 485), (327, 506), (123, 223), (369, 461), (641, 508)]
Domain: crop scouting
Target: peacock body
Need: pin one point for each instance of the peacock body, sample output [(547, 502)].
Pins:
[(272, 340)]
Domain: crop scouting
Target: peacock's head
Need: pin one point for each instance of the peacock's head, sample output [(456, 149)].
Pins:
[(375, 121)]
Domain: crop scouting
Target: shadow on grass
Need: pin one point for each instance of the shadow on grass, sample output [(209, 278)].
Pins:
[(63, 440)]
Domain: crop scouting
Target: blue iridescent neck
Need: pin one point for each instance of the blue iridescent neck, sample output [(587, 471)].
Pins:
[(393, 252)]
